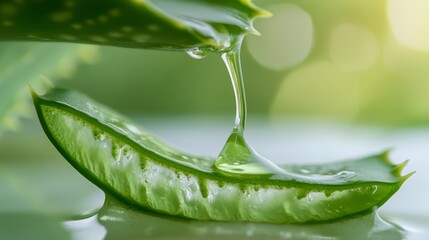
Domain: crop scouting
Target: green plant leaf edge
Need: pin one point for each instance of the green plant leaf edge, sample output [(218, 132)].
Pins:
[(162, 24), (141, 171)]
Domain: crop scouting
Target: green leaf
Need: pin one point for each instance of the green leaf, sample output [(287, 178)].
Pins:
[(160, 24), (128, 163), (23, 64)]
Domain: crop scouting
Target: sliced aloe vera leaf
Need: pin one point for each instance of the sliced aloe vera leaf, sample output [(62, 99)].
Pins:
[(131, 165), (160, 24)]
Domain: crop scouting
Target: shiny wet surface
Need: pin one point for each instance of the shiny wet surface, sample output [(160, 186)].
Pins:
[(38, 189)]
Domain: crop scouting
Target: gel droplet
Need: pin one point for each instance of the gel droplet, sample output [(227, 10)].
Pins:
[(197, 53)]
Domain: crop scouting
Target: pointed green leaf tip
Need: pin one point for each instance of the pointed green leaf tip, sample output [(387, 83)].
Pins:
[(162, 24), (141, 171)]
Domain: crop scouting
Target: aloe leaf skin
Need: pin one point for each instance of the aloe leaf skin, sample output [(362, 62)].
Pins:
[(141, 171), (160, 24)]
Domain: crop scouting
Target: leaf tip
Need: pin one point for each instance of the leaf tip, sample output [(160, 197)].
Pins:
[(38, 89), (398, 168), (254, 31), (385, 155), (257, 11), (264, 13), (33, 93), (47, 84), (406, 176)]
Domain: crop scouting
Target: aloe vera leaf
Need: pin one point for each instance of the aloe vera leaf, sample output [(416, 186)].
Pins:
[(160, 24), (30, 63), (128, 163)]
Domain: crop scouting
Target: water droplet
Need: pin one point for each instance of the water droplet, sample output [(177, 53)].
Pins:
[(198, 53)]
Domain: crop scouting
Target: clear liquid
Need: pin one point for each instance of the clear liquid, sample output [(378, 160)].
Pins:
[(197, 53), (237, 156)]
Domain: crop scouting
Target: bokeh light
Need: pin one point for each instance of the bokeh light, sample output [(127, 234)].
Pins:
[(409, 21), (286, 37), (318, 89), (353, 47)]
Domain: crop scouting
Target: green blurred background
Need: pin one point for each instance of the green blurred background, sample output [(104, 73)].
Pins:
[(356, 61)]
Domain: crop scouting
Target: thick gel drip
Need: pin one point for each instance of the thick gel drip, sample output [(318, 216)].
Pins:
[(237, 156)]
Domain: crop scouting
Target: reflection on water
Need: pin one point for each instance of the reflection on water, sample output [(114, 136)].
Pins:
[(121, 222), (86, 229)]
